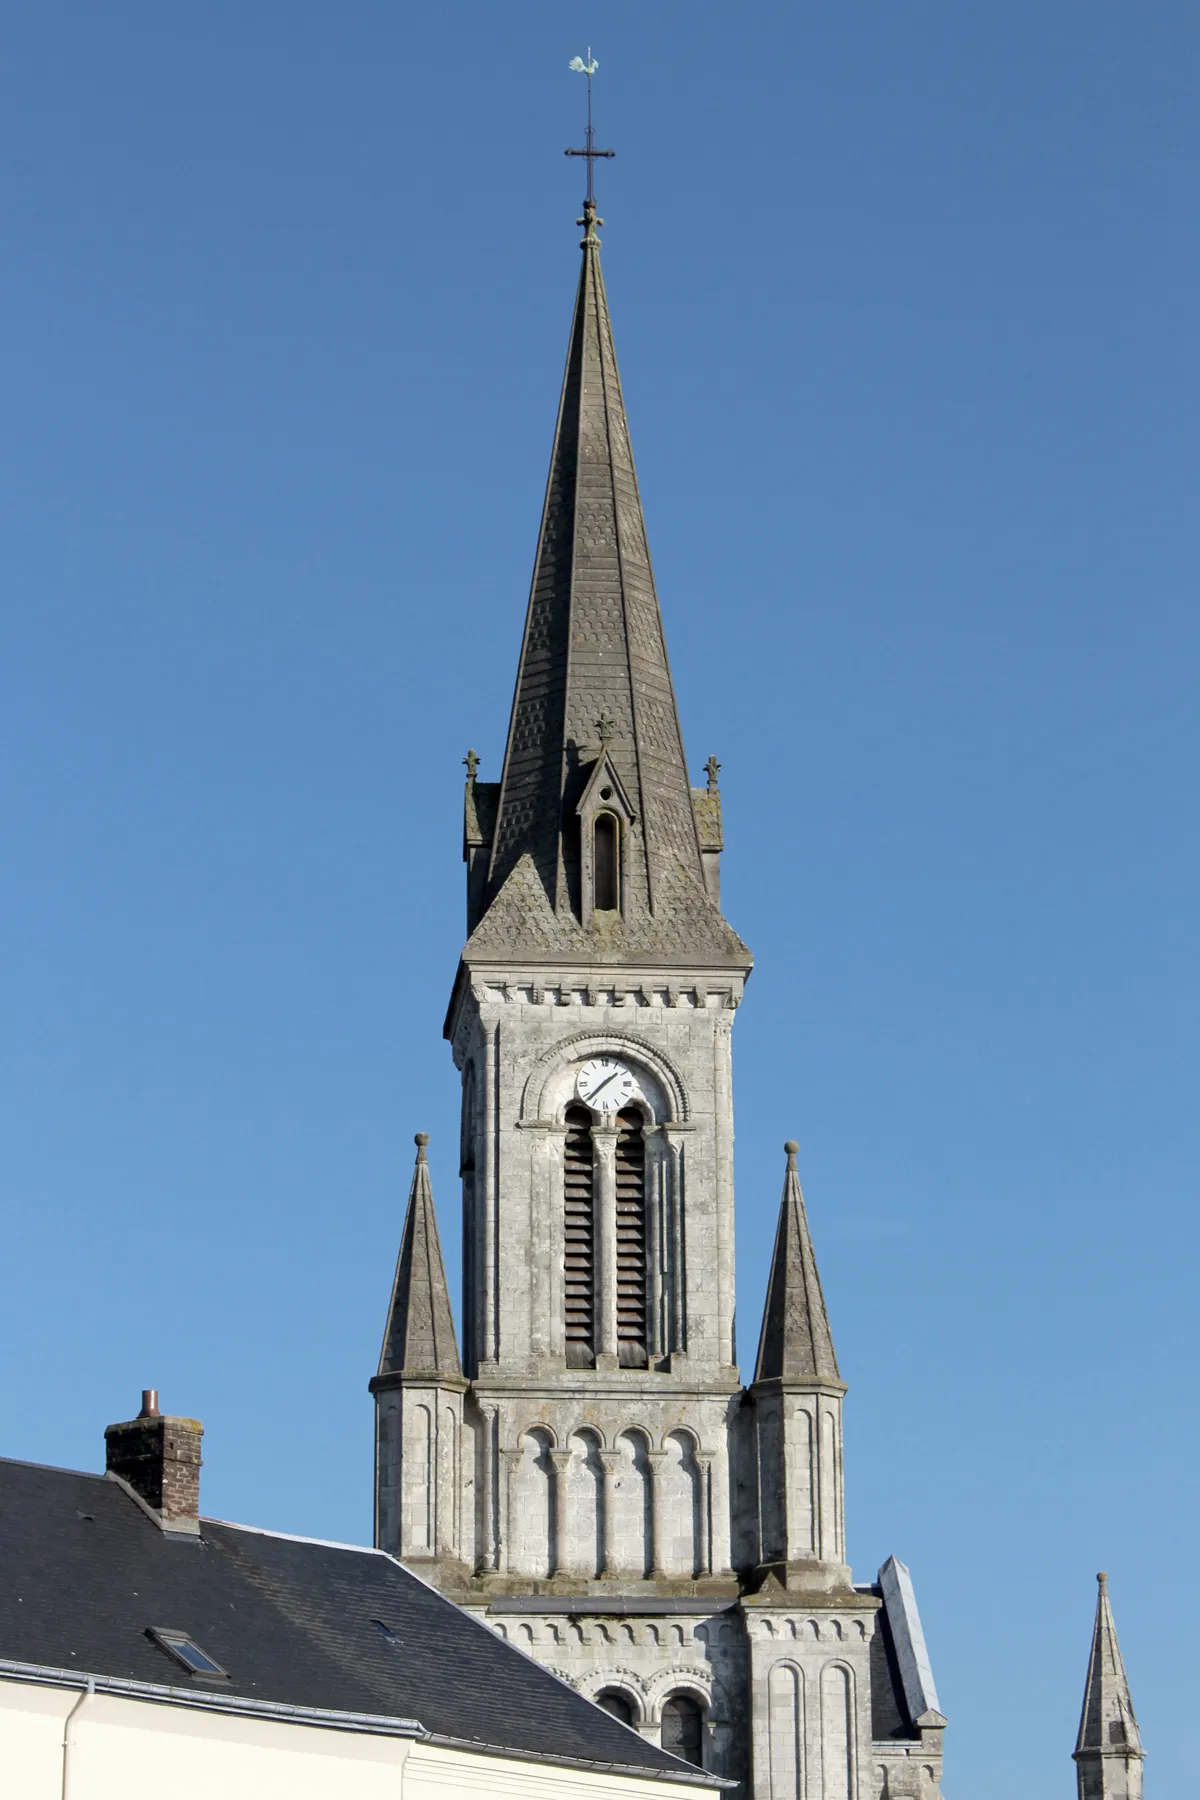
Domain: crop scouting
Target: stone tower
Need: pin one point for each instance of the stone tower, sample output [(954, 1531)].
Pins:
[(1108, 1752), (596, 1482)]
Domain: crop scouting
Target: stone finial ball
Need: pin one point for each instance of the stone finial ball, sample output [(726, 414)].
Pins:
[(1102, 1577), (792, 1147), (421, 1139)]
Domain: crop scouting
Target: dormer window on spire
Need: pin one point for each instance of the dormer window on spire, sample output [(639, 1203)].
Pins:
[(605, 817), (606, 863)]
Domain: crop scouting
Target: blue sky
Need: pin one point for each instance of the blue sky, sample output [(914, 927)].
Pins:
[(904, 298)]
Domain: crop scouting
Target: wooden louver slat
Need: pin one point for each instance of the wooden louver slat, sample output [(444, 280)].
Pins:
[(579, 1232), (631, 1241)]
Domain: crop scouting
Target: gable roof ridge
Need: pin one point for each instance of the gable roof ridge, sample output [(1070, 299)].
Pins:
[(296, 1537), (22, 1462)]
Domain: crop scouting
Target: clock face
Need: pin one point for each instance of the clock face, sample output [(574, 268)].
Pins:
[(605, 1084)]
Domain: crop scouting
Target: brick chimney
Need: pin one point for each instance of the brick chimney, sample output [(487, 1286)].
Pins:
[(159, 1459)]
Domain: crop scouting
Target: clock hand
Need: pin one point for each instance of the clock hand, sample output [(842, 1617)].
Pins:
[(604, 1083)]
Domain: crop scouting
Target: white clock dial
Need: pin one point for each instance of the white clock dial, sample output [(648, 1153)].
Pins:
[(605, 1084)]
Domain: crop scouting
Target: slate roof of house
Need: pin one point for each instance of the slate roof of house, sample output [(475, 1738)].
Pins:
[(594, 674), (84, 1571), (420, 1336)]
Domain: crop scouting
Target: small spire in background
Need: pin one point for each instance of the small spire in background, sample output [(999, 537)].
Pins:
[(1108, 1751)]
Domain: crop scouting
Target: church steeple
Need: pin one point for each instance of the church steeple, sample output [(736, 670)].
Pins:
[(1108, 1753), (594, 727), (609, 1460)]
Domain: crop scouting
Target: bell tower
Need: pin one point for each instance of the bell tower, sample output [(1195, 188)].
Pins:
[(590, 1022), (590, 1476)]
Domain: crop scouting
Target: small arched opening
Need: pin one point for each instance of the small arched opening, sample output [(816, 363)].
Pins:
[(683, 1729), (618, 1704), (606, 863)]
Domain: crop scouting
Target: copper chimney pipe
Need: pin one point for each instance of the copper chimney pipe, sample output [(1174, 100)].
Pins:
[(149, 1404)]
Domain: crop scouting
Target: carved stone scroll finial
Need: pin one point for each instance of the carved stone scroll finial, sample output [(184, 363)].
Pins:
[(605, 728), (471, 761), (712, 769)]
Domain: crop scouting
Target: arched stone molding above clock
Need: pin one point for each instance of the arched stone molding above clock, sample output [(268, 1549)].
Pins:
[(550, 1086)]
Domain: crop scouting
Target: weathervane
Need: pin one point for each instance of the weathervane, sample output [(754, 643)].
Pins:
[(588, 68)]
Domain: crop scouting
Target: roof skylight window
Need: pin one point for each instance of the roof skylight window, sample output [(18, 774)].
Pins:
[(179, 1645)]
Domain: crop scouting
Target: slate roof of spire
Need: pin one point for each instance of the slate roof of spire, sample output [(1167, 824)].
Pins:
[(594, 650), (796, 1342), (420, 1330), (1107, 1726)]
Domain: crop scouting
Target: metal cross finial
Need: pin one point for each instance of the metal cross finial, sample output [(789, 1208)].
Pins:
[(471, 760), (605, 726), (588, 68), (712, 769)]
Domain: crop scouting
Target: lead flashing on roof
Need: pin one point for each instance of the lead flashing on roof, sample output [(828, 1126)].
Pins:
[(181, 1531), (686, 1773), (916, 1672)]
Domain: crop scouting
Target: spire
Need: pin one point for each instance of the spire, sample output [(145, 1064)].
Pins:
[(796, 1342), (420, 1331), (1108, 1753), (593, 678)]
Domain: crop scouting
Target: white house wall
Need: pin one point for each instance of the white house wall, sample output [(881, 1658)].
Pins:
[(124, 1749)]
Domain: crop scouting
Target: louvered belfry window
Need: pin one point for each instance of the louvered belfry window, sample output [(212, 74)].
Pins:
[(579, 1192), (631, 1241)]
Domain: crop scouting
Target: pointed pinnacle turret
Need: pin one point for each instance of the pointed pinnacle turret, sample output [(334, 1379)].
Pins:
[(420, 1331), (1108, 1752), (796, 1342)]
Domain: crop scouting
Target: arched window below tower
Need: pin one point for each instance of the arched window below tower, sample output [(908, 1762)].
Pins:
[(683, 1729), (606, 863), (618, 1704), (631, 1240), (579, 1214)]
